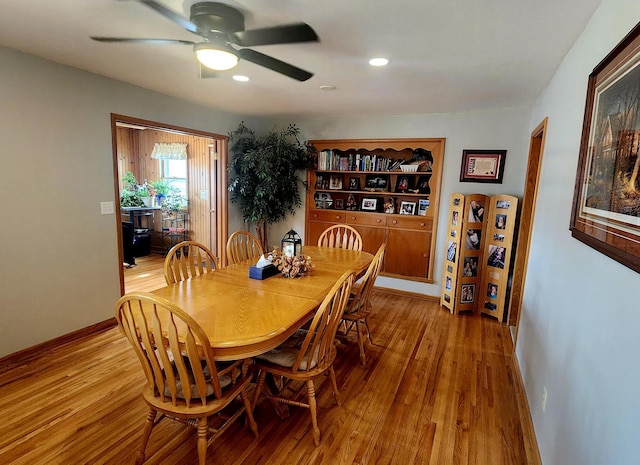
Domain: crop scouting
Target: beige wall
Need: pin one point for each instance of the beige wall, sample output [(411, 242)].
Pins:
[(59, 264)]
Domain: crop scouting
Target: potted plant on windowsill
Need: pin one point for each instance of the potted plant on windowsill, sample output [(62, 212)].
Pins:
[(161, 189)]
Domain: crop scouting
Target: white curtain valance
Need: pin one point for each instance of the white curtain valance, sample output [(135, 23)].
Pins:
[(169, 151)]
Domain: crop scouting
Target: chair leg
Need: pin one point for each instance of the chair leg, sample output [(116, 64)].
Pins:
[(332, 375), (258, 390), (363, 357), (203, 428), (366, 325), (249, 411), (148, 427), (311, 393)]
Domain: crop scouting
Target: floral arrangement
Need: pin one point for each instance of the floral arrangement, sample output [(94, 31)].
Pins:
[(291, 266)]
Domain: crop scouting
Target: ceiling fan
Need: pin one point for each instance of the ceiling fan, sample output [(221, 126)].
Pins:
[(222, 26)]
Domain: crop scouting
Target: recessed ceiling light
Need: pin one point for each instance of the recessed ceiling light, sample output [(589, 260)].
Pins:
[(328, 87), (378, 62), (240, 78)]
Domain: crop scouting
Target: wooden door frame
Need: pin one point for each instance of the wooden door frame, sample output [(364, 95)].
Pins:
[(527, 215), (221, 211)]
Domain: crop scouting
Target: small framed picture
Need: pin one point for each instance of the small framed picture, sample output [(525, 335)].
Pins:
[(377, 183), (339, 204), (503, 204), (498, 237), (403, 184), (319, 182), (473, 239), (454, 218), (467, 293), (501, 221), (335, 182), (408, 208), (354, 184), (423, 185), (470, 267), (490, 306), (423, 206), (492, 291), (447, 284), (369, 204)]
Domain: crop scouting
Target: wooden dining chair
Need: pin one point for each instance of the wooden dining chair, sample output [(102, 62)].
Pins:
[(359, 306), (306, 355), (187, 260), (340, 236), (243, 246), (184, 382)]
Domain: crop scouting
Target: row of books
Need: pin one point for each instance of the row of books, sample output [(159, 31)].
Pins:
[(331, 161)]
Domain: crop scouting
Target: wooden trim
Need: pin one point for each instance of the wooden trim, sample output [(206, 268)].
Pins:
[(527, 217), (528, 430), (36, 350), (412, 295)]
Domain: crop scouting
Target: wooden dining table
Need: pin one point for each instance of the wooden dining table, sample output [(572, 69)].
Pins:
[(244, 317)]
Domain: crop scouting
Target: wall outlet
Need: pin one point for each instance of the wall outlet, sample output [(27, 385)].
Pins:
[(106, 208), (544, 398)]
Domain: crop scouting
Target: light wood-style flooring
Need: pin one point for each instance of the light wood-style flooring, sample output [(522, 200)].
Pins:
[(438, 389)]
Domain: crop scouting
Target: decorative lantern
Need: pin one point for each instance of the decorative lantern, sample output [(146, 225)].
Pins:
[(291, 244)]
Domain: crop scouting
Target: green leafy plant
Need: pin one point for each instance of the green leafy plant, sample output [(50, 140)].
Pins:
[(160, 186), (130, 198), (174, 201), (130, 195), (264, 175)]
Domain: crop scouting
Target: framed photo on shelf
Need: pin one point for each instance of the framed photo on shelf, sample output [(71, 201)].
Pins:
[(403, 184), (377, 183), (408, 208), (354, 184), (335, 182), (339, 204), (423, 185), (482, 166), (369, 204), (423, 206), (606, 206), (319, 181)]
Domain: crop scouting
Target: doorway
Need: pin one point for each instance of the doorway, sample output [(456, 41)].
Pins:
[(532, 180), (133, 141)]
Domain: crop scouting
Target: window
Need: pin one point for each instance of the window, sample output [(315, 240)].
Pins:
[(175, 173)]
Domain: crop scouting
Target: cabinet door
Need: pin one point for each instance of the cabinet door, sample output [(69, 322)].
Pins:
[(371, 227), (407, 253), (319, 220)]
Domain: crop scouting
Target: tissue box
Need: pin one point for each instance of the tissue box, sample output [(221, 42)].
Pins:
[(262, 273)]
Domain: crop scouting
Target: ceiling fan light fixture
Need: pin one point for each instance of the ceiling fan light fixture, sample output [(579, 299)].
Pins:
[(216, 57)]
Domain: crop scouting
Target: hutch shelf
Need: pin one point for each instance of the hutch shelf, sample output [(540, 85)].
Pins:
[(388, 189)]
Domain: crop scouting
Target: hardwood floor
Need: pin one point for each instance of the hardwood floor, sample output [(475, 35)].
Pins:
[(437, 389), (146, 275)]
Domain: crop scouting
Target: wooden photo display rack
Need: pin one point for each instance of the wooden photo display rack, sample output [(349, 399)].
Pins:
[(501, 222), (479, 251), (464, 252)]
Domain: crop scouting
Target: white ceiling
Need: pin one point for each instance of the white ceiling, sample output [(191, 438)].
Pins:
[(446, 55)]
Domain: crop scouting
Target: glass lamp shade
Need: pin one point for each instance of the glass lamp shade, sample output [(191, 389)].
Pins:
[(291, 244), (219, 60)]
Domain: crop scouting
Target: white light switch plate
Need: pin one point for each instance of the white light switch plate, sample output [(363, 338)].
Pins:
[(106, 208)]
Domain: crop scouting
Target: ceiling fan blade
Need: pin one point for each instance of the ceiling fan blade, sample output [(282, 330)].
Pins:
[(171, 15), (274, 64), (286, 34), (143, 41)]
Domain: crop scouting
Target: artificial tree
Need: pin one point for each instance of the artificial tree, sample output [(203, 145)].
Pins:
[(264, 177)]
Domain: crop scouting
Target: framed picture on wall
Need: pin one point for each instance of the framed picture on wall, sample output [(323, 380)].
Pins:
[(482, 166), (606, 199)]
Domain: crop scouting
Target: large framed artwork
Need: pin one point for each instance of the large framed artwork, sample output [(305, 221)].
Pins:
[(606, 202)]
